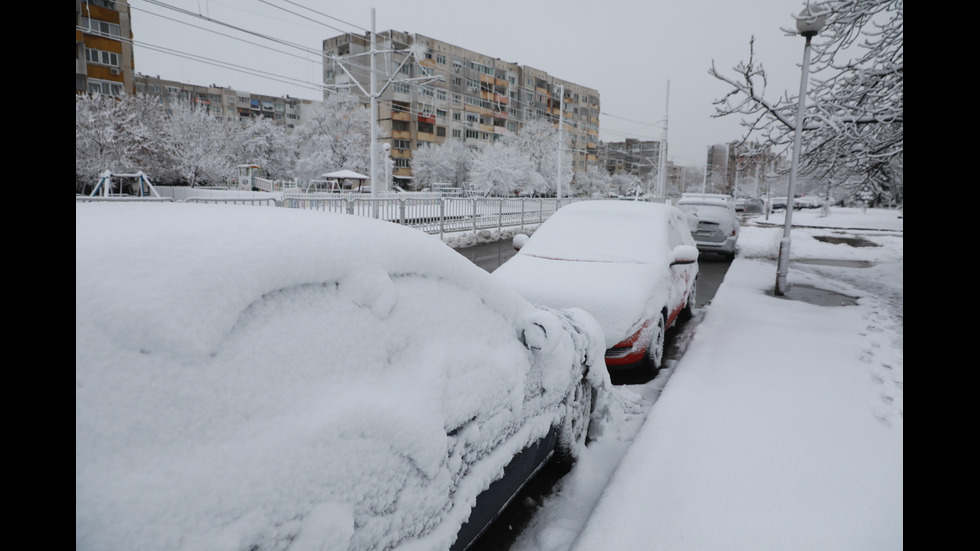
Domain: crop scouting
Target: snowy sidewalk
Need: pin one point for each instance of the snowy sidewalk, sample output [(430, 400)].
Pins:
[(781, 428)]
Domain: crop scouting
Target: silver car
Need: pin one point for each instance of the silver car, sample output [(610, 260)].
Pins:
[(714, 224)]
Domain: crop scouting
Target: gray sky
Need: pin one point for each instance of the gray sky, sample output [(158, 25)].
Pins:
[(626, 49)]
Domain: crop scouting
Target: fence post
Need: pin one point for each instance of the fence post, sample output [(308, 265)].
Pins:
[(523, 200), (500, 216), (401, 210), (442, 216), (350, 204), (474, 214)]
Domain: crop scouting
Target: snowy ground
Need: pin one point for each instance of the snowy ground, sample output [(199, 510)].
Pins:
[(782, 425)]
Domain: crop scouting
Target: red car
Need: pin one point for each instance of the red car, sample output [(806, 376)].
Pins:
[(632, 265)]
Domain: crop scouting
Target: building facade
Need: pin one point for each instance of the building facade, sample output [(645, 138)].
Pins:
[(103, 47), (449, 92), (631, 156), (224, 102)]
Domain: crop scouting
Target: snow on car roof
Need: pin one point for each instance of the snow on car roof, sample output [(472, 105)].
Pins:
[(603, 231)]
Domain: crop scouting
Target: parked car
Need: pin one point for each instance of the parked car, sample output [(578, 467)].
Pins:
[(715, 224), (269, 378), (750, 205), (778, 203), (808, 202), (632, 265)]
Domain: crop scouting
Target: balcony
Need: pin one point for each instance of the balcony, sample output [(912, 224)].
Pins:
[(400, 116), (401, 134)]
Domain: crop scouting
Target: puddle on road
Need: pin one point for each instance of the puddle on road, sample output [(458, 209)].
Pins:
[(815, 295), (848, 240)]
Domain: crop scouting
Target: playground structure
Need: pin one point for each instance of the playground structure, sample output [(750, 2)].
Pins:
[(124, 185), (249, 180)]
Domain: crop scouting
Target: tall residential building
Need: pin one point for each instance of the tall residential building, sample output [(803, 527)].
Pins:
[(225, 102), (103, 47), (470, 96), (631, 156)]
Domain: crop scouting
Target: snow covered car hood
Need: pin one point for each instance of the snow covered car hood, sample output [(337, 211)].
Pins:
[(264, 378)]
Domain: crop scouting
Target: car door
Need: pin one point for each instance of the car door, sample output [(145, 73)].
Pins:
[(682, 276)]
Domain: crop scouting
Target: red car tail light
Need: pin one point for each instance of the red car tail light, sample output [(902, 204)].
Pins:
[(628, 351)]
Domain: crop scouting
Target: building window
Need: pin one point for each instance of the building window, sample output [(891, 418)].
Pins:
[(401, 144), (457, 116), (401, 87), (441, 131), (440, 59), (101, 57), (441, 113), (101, 27), (402, 162), (426, 127), (107, 87), (472, 134), (441, 95), (457, 133)]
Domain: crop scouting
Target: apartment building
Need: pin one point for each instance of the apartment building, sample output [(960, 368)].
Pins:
[(224, 102), (631, 156), (450, 92), (103, 47)]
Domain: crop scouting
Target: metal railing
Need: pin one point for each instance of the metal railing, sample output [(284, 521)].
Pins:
[(431, 215), (442, 215)]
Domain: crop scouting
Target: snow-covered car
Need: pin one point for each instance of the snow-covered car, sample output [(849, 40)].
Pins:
[(807, 202), (750, 205), (631, 264), (714, 224), (269, 378)]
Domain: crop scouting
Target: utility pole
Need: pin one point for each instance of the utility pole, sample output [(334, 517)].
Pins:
[(561, 122), (372, 151), (662, 169), (373, 93)]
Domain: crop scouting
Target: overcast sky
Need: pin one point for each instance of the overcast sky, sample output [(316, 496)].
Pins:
[(626, 49)]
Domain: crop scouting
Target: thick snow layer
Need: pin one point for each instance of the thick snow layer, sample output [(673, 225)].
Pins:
[(267, 378)]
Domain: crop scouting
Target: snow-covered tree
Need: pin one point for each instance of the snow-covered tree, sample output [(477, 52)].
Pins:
[(594, 182), (334, 135), (113, 133), (265, 143), (446, 162), (499, 169), (853, 127), (197, 145), (538, 141), (623, 184)]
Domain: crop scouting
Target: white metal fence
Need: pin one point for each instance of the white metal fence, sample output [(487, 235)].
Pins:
[(437, 215), (425, 211)]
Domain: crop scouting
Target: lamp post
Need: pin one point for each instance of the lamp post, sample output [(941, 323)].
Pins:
[(808, 24)]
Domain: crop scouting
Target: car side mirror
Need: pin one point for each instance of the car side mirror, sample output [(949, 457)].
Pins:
[(519, 241), (684, 254)]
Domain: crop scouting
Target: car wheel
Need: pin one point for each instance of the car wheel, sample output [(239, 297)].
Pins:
[(574, 430), (692, 299), (654, 357)]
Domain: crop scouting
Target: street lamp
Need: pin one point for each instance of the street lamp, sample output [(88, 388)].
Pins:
[(808, 24)]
